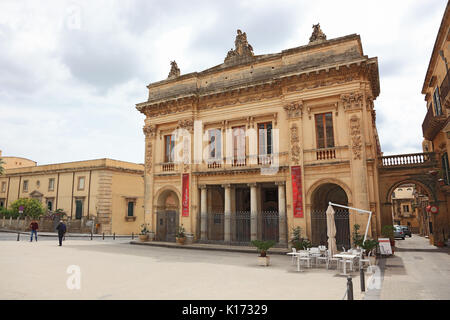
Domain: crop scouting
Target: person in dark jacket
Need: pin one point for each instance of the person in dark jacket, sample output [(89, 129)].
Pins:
[(61, 228), (34, 228)]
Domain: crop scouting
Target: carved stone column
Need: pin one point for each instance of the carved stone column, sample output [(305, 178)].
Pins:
[(149, 132), (282, 212), (227, 213), (253, 212), (203, 213)]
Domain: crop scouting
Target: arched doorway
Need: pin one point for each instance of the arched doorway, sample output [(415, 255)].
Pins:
[(408, 200), (167, 216), (321, 196)]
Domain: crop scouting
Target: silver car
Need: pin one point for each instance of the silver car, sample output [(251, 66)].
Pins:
[(399, 232)]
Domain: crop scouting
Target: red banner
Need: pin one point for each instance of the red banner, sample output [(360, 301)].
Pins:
[(296, 174), (185, 195)]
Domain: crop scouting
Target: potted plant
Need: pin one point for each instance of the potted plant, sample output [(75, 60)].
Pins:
[(356, 236), (388, 232), (263, 247), (143, 235), (369, 246), (180, 235)]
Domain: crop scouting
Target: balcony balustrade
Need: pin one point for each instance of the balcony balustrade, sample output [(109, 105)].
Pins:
[(412, 159), (432, 124)]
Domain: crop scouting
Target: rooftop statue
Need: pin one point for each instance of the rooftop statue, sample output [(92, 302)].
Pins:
[(242, 48), (317, 34), (174, 70)]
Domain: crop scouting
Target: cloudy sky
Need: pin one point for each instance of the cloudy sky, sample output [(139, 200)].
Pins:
[(71, 72)]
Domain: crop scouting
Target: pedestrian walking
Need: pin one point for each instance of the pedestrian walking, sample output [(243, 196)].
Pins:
[(34, 228), (61, 228)]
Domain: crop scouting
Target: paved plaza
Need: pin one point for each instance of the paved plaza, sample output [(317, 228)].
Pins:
[(117, 270)]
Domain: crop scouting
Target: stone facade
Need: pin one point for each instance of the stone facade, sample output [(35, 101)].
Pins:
[(98, 190), (315, 100)]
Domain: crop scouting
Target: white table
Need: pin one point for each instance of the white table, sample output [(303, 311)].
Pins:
[(345, 256), (299, 255)]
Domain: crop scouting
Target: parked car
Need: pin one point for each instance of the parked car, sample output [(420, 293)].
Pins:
[(398, 232), (406, 231)]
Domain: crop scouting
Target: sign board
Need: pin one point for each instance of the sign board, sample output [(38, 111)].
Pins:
[(385, 246), (185, 195), (21, 209), (296, 175)]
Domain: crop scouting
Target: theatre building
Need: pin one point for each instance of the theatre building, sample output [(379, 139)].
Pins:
[(258, 145)]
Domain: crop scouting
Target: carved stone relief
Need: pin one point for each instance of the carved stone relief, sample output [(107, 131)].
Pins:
[(352, 101), (355, 136), (295, 149), (294, 109)]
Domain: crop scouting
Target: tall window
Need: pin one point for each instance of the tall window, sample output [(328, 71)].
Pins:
[(264, 142), (239, 145), (405, 208), (130, 212), (324, 130), (446, 169), (51, 184), (50, 205), (169, 146), (81, 183), (215, 144), (3, 186), (25, 186), (437, 102), (78, 208)]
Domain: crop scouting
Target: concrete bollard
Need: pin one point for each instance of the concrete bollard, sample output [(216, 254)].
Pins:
[(103, 236), (349, 288), (132, 236), (18, 236), (114, 236), (91, 235), (362, 279)]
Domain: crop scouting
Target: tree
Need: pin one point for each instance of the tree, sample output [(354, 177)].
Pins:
[(2, 169), (31, 207)]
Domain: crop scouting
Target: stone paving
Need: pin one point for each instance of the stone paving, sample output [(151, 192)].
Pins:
[(118, 270)]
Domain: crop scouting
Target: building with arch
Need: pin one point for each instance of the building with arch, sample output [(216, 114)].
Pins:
[(259, 144)]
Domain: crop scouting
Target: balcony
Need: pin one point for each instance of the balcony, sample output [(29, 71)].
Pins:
[(408, 160), (432, 124)]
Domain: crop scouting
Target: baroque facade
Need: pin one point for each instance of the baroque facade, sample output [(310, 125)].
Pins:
[(258, 145)]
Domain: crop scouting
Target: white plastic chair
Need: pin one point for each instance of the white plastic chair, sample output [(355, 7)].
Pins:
[(305, 256), (331, 259), (363, 261), (294, 256)]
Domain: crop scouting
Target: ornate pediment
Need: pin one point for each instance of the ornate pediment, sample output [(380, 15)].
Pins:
[(36, 194), (243, 50), (317, 35)]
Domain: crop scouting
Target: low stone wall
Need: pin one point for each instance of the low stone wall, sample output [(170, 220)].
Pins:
[(48, 225)]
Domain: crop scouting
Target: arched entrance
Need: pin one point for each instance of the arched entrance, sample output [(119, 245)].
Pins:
[(321, 196), (167, 216)]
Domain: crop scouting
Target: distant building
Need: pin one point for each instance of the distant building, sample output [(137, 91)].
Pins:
[(109, 192), (405, 211), (16, 162)]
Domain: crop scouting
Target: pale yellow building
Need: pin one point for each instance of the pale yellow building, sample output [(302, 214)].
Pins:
[(405, 210), (259, 144), (436, 125), (16, 162), (109, 192)]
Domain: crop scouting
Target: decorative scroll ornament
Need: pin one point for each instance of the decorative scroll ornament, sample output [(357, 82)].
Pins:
[(295, 149), (355, 136), (294, 109), (243, 50), (187, 124), (317, 35), (149, 130), (174, 70), (352, 101)]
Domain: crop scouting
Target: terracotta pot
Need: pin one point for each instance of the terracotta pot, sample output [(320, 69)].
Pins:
[(181, 240), (143, 237)]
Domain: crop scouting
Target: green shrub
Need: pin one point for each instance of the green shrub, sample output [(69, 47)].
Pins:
[(356, 237), (263, 246), (32, 208)]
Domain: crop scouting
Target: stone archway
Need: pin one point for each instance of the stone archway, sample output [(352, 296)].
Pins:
[(320, 198), (167, 215)]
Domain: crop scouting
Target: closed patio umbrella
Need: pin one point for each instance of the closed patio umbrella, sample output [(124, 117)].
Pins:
[(331, 230)]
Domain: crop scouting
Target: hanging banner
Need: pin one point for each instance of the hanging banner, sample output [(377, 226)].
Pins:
[(296, 174), (185, 195)]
